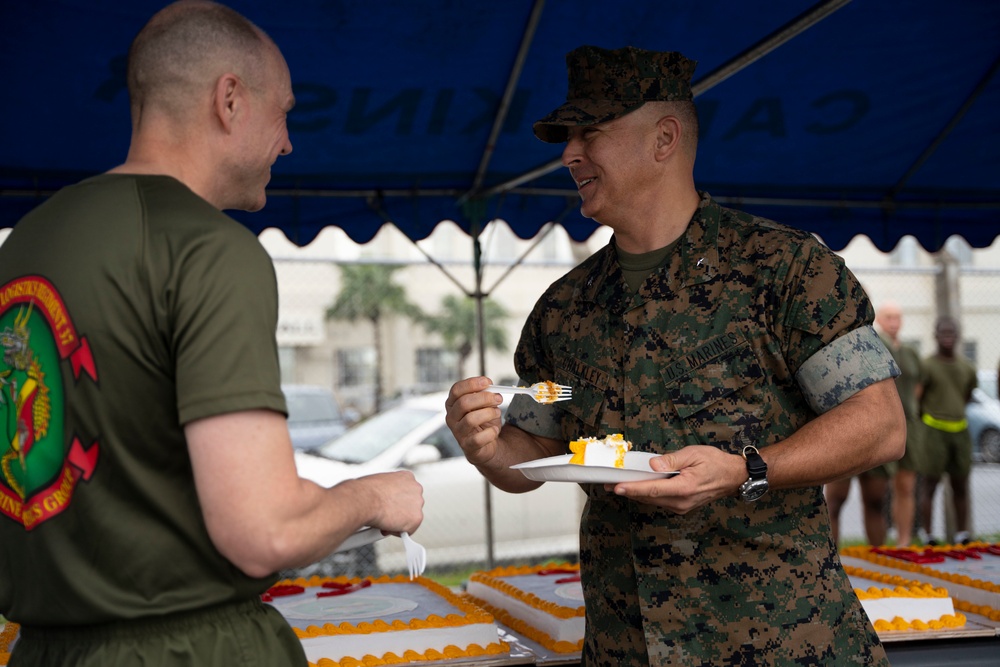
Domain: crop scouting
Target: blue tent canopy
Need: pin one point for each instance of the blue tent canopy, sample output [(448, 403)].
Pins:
[(842, 118)]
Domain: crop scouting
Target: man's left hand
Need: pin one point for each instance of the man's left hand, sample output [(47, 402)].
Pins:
[(706, 474)]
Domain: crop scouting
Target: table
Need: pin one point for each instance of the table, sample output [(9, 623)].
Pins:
[(975, 645)]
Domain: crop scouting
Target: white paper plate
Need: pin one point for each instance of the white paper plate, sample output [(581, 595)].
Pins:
[(559, 469), (360, 539)]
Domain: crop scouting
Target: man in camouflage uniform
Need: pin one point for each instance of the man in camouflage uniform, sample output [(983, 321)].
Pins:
[(699, 333)]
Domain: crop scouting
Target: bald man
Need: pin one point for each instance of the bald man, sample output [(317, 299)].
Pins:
[(149, 492), (889, 320), (874, 484)]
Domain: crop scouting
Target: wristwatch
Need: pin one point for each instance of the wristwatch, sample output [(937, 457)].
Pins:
[(756, 486)]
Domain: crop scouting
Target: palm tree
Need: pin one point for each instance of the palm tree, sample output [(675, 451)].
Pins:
[(457, 326), (367, 291)]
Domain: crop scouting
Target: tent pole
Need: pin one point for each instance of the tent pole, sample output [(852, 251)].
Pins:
[(571, 205), (793, 28), (952, 122), (798, 25), (508, 94), (477, 262)]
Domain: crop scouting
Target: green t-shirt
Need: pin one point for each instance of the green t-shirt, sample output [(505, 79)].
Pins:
[(637, 267), (908, 361), (948, 385), (129, 306)]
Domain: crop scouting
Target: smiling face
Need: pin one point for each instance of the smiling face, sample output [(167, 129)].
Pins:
[(264, 134), (611, 164)]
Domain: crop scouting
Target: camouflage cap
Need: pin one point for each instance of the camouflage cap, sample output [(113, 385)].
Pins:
[(605, 84)]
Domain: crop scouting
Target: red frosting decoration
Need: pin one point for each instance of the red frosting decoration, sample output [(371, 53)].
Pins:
[(339, 588), (927, 556), (282, 590)]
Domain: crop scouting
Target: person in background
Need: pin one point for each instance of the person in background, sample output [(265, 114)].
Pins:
[(739, 350), (874, 485), (948, 380), (148, 485), (889, 319)]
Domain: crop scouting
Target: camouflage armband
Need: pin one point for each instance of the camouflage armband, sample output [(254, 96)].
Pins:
[(844, 367)]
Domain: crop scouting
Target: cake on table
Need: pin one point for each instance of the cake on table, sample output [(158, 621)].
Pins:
[(353, 622), (347, 622), (608, 452), (970, 573), (543, 603), (893, 602)]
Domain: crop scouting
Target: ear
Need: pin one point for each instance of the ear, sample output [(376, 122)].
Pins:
[(227, 101), (668, 137)]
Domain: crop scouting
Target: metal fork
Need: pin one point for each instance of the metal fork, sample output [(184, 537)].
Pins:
[(543, 392), (416, 556)]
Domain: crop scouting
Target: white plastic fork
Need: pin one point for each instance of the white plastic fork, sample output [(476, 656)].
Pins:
[(416, 556), (543, 392)]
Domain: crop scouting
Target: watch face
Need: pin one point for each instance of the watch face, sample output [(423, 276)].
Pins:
[(752, 489)]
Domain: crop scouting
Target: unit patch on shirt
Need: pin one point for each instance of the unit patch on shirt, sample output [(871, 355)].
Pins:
[(40, 463)]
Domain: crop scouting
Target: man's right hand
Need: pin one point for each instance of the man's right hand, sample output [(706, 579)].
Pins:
[(297, 522), (473, 415)]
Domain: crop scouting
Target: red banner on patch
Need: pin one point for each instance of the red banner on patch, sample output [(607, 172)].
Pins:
[(40, 292), (52, 500)]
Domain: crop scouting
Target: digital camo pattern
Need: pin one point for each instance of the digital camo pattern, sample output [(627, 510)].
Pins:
[(607, 83), (842, 368), (706, 353)]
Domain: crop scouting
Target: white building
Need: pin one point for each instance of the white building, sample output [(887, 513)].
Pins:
[(341, 354)]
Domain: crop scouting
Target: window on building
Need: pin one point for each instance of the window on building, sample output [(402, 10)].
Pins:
[(356, 366), (286, 361), (436, 366)]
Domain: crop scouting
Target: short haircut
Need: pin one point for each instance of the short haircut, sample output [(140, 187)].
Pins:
[(686, 112), (946, 321), (188, 45)]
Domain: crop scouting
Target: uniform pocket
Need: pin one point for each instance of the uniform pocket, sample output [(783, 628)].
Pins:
[(718, 386)]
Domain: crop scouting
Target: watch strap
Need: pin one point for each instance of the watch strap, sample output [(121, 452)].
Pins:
[(756, 466)]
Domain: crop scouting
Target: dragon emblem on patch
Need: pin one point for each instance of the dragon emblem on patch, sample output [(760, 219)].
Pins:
[(40, 462)]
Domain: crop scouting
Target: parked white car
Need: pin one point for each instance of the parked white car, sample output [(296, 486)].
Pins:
[(983, 413), (413, 435)]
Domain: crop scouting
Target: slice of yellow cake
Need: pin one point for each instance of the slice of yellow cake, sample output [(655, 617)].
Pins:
[(608, 452)]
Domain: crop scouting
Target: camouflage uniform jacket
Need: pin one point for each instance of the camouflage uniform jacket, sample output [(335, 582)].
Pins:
[(751, 327)]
